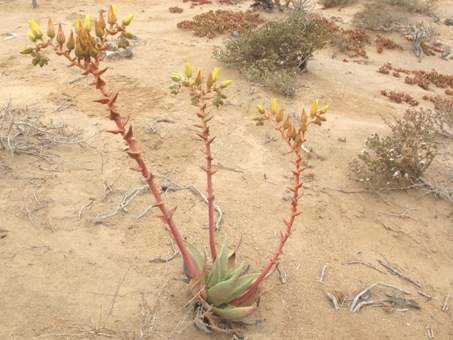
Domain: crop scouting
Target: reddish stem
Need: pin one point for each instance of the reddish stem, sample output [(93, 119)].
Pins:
[(204, 134), (296, 149), (121, 122)]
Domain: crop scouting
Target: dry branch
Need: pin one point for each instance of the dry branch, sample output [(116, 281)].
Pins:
[(364, 294), (394, 271)]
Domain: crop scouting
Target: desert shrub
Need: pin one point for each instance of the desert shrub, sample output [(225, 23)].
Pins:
[(379, 16), (277, 52), (211, 23), (389, 15), (336, 3), (401, 158), (411, 6), (444, 120)]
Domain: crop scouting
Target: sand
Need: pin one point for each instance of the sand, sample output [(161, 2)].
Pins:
[(63, 276)]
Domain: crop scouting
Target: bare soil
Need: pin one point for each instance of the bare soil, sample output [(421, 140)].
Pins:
[(63, 276)]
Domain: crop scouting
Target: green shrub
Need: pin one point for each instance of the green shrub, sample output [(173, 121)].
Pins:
[(401, 158), (390, 14), (411, 6), (336, 3), (379, 16), (277, 52)]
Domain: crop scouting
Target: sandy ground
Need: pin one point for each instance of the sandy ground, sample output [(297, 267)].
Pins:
[(63, 276)]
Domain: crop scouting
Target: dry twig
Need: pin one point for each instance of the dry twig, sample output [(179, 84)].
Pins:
[(394, 271), (125, 201), (333, 299), (323, 273), (445, 305), (404, 214), (364, 295), (365, 264), (168, 259), (430, 332)]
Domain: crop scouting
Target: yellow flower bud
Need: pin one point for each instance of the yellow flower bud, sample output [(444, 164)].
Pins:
[(215, 73), (27, 50), (50, 29), (176, 77), (260, 109), (209, 81), (127, 20), (71, 43), (324, 109), (60, 36), (98, 29), (274, 106), (78, 25), (279, 116), (111, 15), (31, 36), (188, 71), (78, 48), (287, 123), (35, 29), (303, 118), (199, 77), (87, 24), (102, 20), (225, 84), (314, 108)]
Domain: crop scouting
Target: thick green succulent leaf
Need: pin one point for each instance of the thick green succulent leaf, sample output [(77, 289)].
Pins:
[(218, 270), (233, 313), (243, 283), (197, 259), (219, 293)]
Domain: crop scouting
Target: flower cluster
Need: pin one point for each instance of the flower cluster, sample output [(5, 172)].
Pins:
[(85, 43)]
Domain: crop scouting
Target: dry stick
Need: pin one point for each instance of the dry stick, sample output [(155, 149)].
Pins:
[(199, 193), (445, 305), (349, 192), (323, 272), (430, 332), (403, 214), (367, 290), (60, 107), (79, 215), (165, 260), (394, 271), (424, 294), (77, 79), (125, 201), (33, 217), (334, 300), (115, 296), (446, 192), (282, 274), (221, 166), (365, 264)]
